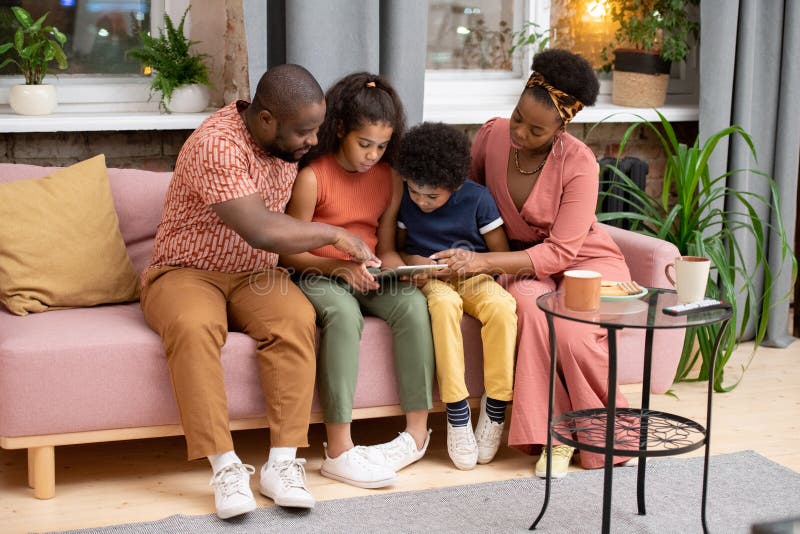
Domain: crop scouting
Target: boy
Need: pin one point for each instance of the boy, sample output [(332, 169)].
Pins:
[(440, 210)]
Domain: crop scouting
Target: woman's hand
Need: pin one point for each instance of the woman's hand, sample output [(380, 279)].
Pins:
[(357, 276), (461, 262)]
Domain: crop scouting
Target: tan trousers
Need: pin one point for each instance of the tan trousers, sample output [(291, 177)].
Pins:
[(192, 310)]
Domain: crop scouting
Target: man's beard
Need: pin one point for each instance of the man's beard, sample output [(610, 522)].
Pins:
[(282, 154)]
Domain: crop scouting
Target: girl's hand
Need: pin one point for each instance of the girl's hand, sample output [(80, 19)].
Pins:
[(357, 276), (461, 262)]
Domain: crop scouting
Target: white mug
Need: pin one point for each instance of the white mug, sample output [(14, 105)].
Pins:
[(691, 277)]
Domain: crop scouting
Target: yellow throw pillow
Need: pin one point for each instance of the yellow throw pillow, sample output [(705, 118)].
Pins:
[(60, 245)]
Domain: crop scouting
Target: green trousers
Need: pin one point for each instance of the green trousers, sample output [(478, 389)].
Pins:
[(339, 314)]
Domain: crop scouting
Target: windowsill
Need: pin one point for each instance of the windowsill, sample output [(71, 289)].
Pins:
[(84, 121), (677, 108)]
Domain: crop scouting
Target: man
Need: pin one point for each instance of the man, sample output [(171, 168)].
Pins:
[(214, 265)]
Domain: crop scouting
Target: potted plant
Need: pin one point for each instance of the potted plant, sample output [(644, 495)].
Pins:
[(180, 75), (702, 216), (652, 34), (35, 47)]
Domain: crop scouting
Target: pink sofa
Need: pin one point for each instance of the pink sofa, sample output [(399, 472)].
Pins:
[(98, 374)]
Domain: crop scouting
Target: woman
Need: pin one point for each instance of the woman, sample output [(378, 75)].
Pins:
[(545, 183)]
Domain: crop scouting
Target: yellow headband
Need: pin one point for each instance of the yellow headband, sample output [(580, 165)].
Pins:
[(566, 105)]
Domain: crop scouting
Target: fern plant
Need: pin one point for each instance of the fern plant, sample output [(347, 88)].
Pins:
[(171, 59)]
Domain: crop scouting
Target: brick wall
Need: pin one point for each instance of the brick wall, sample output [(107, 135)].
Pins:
[(157, 150), (149, 150)]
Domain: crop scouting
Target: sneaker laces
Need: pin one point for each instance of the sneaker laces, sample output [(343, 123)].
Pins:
[(291, 473), (564, 451), (398, 448), (490, 431), (462, 443), (230, 479)]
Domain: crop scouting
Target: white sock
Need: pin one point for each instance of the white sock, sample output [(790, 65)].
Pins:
[(222, 460), (278, 454)]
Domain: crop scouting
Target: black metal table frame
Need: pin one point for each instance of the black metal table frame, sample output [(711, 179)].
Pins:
[(611, 414)]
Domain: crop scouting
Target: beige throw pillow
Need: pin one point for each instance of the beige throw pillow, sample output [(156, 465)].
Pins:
[(60, 245)]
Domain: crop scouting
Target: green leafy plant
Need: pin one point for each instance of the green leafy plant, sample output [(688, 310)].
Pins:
[(702, 216), (531, 34), (662, 26), (35, 46), (169, 55)]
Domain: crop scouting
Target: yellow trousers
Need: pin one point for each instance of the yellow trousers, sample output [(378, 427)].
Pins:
[(483, 298)]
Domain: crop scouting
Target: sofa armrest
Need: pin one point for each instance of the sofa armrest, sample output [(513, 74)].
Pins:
[(646, 256)]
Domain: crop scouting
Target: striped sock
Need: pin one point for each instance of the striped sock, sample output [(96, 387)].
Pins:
[(496, 410), (458, 413)]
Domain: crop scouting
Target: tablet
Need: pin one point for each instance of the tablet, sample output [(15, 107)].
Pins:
[(408, 270)]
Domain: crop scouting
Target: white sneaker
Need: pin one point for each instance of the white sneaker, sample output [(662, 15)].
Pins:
[(398, 453), (232, 495), (488, 435), (285, 483), (461, 446), (353, 467)]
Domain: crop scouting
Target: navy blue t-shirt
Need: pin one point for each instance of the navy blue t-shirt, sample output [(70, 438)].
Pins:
[(461, 222)]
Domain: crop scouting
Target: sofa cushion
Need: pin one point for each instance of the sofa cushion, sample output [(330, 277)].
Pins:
[(60, 244), (103, 368)]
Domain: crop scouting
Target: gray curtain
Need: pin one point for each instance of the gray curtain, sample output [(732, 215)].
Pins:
[(332, 38), (756, 88)]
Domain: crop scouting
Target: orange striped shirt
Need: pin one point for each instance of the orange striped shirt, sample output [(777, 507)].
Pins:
[(353, 200), (219, 162)]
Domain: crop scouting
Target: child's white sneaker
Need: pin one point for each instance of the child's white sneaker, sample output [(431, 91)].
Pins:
[(488, 435), (285, 483), (353, 467), (232, 494), (399, 453), (461, 446)]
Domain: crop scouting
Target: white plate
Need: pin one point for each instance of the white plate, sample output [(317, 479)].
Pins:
[(623, 297)]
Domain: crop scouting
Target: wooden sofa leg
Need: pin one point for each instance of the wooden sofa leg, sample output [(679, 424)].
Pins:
[(42, 471)]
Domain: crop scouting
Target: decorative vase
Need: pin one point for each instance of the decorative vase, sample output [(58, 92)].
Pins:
[(640, 78), (33, 99), (191, 98)]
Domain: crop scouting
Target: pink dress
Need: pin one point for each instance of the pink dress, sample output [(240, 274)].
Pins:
[(558, 229)]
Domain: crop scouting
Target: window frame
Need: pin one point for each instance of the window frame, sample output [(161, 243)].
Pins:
[(471, 97), (105, 92)]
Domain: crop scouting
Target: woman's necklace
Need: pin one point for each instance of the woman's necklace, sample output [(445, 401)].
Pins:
[(534, 171)]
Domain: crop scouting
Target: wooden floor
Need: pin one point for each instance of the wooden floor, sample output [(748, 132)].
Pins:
[(144, 480)]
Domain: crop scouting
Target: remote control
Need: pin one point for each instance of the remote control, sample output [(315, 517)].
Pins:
[(701, 305)]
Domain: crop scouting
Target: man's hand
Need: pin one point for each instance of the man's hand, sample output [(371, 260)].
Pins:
[(356, 248)]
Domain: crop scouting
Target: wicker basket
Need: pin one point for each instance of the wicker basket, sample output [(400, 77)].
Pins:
[(639, 90)]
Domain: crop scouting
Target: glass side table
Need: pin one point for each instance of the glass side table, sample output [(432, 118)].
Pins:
[(637, 432)]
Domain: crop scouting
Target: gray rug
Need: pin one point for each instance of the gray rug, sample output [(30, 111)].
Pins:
[(744, 488)]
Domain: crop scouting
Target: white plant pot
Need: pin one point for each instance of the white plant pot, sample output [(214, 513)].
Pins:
[(33, 99), (189, 99)]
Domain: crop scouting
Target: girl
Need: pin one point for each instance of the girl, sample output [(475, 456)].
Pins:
[(347, 178)]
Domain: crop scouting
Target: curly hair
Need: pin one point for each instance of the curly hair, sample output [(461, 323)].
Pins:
[(568, 72), (436, 155), (354, 101)]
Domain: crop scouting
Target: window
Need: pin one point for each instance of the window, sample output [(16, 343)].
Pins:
[(471, 75), (100, 76)]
